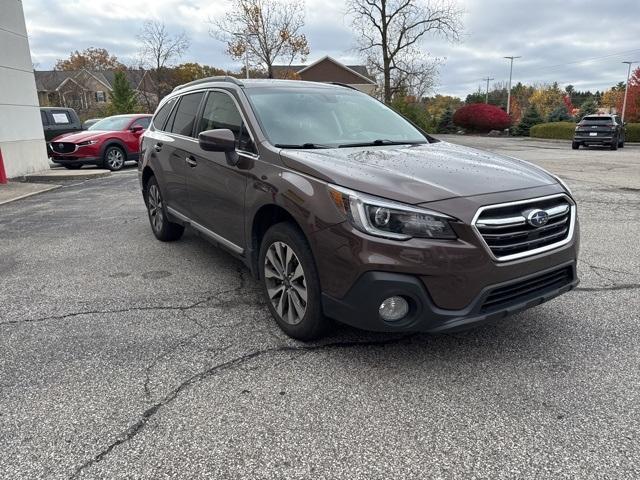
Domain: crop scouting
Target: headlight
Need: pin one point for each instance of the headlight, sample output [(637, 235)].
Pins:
[(88, 142), (388, 219), (564, 185)]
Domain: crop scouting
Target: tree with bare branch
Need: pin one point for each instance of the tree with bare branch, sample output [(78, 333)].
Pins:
[(390, 33), (159, 49), (266, 30)]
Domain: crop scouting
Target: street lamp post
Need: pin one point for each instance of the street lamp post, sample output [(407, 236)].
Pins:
[(509, 88), (626, 89)]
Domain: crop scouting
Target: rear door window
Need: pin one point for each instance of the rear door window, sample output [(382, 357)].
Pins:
[(185, 115), (220, 111)]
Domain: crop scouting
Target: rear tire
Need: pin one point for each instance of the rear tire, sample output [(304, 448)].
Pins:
[(162, 228), (575, 145), (614, 145), (290, 281)]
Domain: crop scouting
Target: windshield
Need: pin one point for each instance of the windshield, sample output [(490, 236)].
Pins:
[(328, 118), (111, 123)]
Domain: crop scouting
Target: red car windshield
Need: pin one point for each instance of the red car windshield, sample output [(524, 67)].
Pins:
[(111, 124)]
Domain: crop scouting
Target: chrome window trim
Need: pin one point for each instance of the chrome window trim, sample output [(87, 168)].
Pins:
[(213, 235), (535, 251)]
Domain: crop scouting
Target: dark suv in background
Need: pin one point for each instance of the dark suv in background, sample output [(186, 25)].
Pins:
[(345, 210), (599, 130)]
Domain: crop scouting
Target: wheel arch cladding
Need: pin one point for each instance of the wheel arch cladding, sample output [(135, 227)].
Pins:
[(114, 143), (267, 216)]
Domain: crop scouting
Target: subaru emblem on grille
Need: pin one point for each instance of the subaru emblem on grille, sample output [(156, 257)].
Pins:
[(537, 218)]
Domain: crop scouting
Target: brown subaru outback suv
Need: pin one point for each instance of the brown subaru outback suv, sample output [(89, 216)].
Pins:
[(345, 210)]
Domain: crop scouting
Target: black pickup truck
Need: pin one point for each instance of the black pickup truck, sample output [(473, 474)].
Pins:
[(58, 120)]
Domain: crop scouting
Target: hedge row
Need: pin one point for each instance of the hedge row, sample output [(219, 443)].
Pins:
[(560, 130), (565, 131), (632, 133)]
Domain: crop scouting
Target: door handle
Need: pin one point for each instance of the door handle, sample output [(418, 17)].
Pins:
[(191, 161), (157, 147)]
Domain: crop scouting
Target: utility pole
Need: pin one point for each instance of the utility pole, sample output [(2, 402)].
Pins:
[(509, 88), (486, 96), (626, 89)]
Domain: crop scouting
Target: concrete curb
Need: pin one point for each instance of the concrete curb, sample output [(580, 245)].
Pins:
[(58, 175), (19, 196)]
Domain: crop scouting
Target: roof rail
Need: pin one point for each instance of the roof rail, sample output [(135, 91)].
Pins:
[(221, 78), (343, 85)]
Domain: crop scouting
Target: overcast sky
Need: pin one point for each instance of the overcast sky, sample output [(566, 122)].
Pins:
[(573, 42)]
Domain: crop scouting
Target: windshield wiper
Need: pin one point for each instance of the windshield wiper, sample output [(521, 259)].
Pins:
[(302, 145), (381, 142)]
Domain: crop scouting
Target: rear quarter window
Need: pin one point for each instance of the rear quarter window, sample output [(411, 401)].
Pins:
[(185, 114), (161, 116)]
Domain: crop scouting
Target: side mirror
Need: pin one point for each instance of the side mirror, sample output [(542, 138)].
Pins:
[(136, 129), (220, 140)]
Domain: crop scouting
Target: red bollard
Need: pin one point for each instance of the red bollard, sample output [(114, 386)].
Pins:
[(3, 174)]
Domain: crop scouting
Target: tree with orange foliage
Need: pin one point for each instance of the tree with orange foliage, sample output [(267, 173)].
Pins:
[(91, 59), (268, 30)]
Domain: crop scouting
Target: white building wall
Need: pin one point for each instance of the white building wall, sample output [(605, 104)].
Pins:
[(21, 135)]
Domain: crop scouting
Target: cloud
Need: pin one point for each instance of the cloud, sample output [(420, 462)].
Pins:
[(555, 39)]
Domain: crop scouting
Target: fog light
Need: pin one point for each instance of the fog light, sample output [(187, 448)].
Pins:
[(393, 309)]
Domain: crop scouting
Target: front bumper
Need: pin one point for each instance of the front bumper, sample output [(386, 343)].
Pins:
[(359, 308), (448, 279)]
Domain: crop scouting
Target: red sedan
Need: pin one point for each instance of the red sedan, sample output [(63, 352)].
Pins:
[(108, 143)]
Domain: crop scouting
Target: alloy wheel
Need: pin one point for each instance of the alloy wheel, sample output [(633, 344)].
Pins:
[(155, 208), (285, 282), (115, 159)]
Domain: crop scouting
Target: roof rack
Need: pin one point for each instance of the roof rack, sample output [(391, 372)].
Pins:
[(343, 85), (221, 78)]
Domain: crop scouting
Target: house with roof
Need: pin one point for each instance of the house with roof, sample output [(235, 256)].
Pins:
[(329, 70), (86, 90)]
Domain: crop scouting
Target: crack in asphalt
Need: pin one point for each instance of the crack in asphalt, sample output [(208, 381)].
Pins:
[(624, 286), (137, 427), (234, 301), (195, 305), (612, 284)]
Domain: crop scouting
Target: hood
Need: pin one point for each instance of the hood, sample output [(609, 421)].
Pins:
[(418, 174), (83, 136)]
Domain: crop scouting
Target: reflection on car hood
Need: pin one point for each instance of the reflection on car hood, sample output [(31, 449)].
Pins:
[(418, 174), (83, 136)]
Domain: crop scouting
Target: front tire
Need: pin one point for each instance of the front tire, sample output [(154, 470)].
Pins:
[(614, 145), (162, 228), (114, 158), (290, 281)]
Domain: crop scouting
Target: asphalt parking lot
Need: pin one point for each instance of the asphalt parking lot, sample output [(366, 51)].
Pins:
[(124, 357)]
